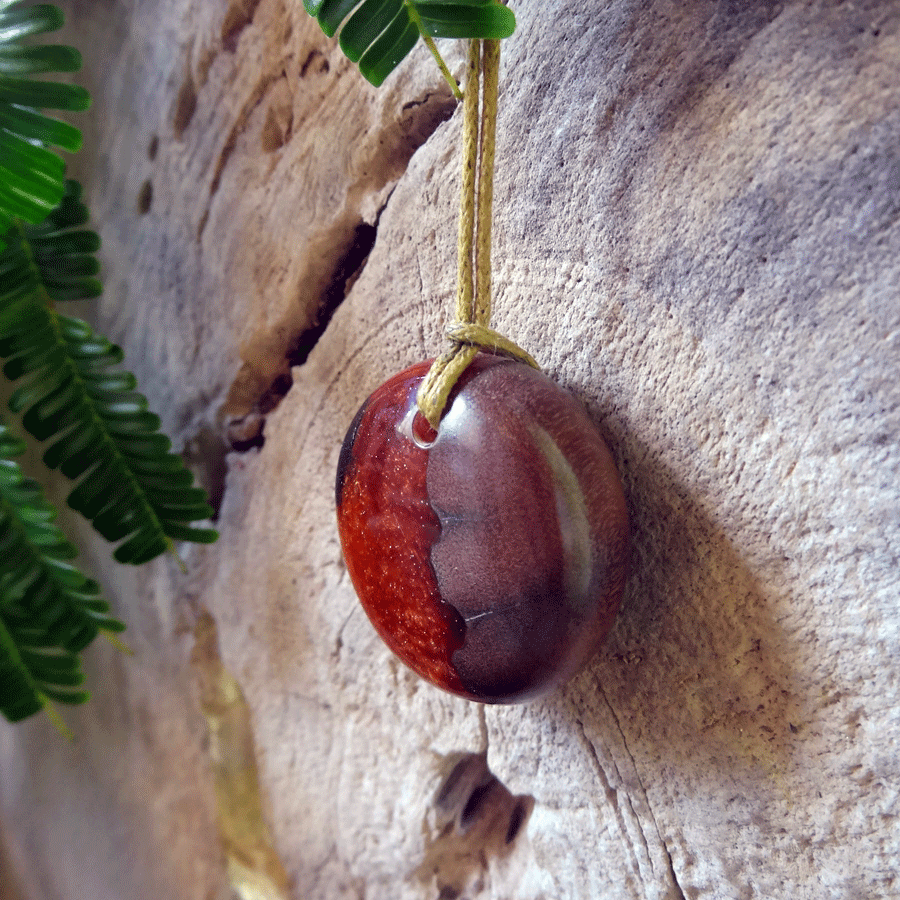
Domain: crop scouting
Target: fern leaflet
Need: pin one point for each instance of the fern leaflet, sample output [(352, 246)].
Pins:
[(32, 176), (379, 34), (132, 488), (48, 609)]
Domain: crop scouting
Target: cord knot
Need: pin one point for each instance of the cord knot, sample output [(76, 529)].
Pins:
[(468, 339)]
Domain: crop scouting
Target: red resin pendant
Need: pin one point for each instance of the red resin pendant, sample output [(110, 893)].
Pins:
[(491, 555)]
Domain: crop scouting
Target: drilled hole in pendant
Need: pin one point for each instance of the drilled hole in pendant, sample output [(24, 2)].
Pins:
[(423, 434)]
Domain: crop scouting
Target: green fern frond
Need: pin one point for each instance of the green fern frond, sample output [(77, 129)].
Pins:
[(131, 487), (63, 253), (380, 33), (32, 176), (49, 610)]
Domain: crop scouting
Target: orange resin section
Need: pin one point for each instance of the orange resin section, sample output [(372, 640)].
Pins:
[(388, 528)]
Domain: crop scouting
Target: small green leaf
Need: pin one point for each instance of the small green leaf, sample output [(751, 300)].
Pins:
[(139, 423), (364, 26), (183, 533), (33, 60), (141, 547), (110, 381), (332, 12), (19, 198), (466, 21), (76, 289), (69, 243), (72, 265), (33, 126), (380, 33), (68, 697), (44, 94), (48, 609), (21, 22), (389, 50)]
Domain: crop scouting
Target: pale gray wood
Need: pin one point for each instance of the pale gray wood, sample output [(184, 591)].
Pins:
[(698, 232)]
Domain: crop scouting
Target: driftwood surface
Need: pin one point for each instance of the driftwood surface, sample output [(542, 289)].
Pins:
[(697, 231)]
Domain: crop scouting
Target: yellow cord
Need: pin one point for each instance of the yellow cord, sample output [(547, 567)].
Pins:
[(470, 331), (465, 246)]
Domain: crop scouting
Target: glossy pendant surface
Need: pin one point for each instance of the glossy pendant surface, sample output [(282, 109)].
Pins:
[(490, 556)]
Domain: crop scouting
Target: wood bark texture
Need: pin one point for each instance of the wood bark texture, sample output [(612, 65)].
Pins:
[(697, 231)]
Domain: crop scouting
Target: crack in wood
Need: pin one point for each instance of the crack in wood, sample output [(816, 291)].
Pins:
[(637, 776), (675, 886), (347, 270), (611, 797), (345, 244), (339, 639), (678, 892)]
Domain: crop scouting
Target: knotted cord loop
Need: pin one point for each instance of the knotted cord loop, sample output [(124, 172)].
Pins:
[(484, 338), (470, 332)]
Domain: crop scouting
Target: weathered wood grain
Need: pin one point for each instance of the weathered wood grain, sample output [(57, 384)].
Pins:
[(698, 232)]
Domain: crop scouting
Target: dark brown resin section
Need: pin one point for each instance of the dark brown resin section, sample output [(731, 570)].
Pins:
[(492, 559), (534, 544)]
